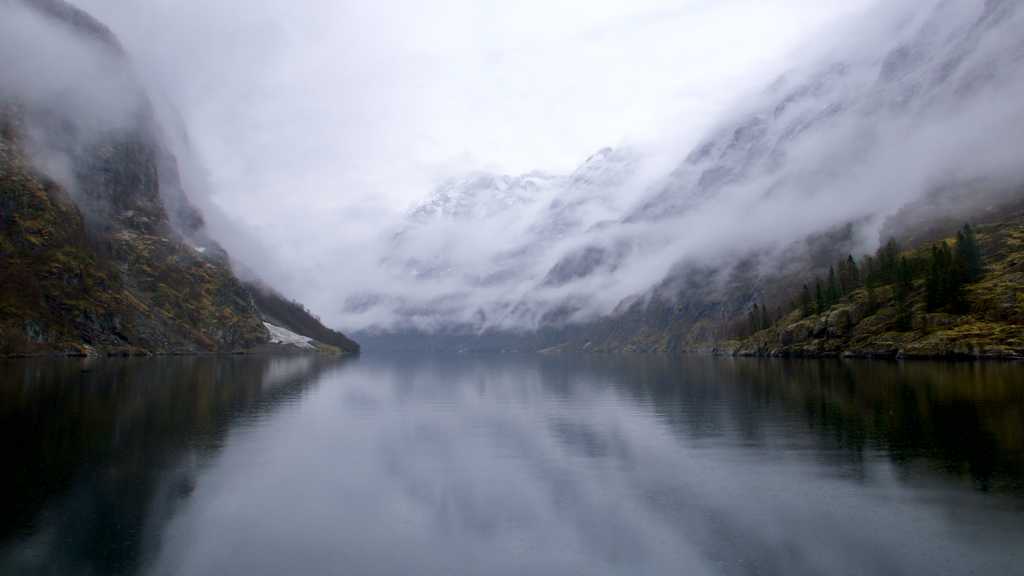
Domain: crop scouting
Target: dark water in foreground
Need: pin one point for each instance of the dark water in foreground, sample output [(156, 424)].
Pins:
[(511, 465)]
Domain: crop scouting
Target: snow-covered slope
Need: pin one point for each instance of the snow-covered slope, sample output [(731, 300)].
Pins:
[(482, 196), (481, 247), (286, 337)]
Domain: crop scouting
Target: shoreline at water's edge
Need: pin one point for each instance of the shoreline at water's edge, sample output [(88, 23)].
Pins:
[(962, 351), (262, 351), (715, 352), (865, 355)]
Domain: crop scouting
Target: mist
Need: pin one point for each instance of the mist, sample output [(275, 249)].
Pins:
[(478, 165), (71, 86), (853, 135)]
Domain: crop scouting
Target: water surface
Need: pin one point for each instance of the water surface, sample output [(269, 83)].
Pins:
[(511, 465)]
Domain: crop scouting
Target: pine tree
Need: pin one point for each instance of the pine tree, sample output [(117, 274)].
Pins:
[(957, 277), (888, 261), (819, 297), (968, 254), (765, 322), (754, 319), (843, 277), (904, 286), (868, 269), (955, 292), (935, 283), (947, 275), (872, 297), (806, 306), (853, 273), (832, 291)]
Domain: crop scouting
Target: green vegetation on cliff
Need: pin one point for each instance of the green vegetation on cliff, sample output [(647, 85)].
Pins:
[(67, 287), (104, 272), (101, 251), (960, 297), (280, 311)]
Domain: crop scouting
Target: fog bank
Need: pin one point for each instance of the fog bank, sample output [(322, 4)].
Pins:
[(489, 166)]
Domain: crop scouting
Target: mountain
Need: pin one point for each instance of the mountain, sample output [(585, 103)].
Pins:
[(940, 57), (909, 128), (477, 203), (903, 137), (490, 251), (102, 251)]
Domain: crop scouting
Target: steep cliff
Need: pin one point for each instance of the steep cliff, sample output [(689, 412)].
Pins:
[(101, 250)]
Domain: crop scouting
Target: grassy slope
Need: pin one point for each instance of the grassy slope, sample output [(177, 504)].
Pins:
[(994, 328)]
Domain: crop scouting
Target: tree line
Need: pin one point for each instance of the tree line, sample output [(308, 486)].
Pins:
[(946, 271)]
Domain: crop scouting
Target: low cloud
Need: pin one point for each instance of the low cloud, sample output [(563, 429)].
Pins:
[(361, 157), (852, 137)]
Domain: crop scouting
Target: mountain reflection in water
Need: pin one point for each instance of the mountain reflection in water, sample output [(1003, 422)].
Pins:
[(511, 465)]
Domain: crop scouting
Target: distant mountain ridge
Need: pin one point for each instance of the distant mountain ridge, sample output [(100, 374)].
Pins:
[(530, 226)]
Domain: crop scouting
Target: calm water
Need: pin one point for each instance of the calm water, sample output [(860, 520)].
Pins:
[(511, 465)]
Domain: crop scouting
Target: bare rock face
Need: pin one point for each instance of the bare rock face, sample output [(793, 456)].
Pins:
[(796, 334), (838, 323)]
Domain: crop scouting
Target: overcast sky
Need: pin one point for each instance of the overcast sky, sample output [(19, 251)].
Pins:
[(303, 108)]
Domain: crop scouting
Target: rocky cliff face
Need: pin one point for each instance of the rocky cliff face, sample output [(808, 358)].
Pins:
[(112, 278), (101, 250)]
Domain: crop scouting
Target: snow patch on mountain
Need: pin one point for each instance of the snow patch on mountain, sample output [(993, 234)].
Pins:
[(286, 337)]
